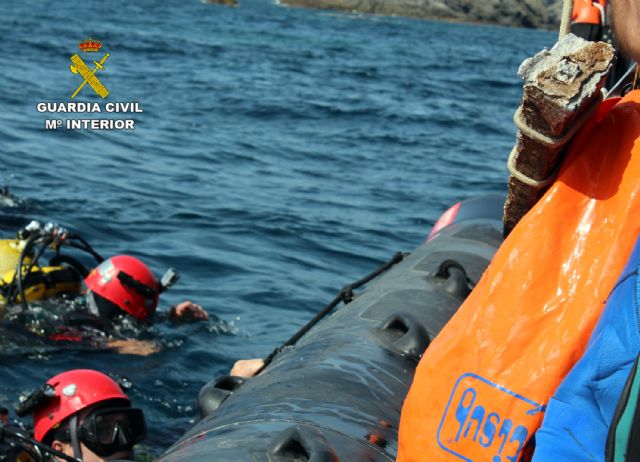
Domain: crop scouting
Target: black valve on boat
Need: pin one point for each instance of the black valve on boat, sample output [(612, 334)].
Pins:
[(215, 392), (454, 279), (301, 443), (407, 336)]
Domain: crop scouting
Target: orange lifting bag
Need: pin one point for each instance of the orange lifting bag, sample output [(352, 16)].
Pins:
[(481, 389)]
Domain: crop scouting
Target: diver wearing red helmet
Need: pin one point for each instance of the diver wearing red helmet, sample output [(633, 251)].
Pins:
[(84, 414), (124, 284), (120, 287)]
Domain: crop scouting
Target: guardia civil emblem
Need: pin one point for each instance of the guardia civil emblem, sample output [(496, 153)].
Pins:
[(78, 66)]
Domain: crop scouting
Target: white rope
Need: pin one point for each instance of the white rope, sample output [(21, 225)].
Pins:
[(603, 13), (565, 22), (555, 142), (522, 178), (550, 142)]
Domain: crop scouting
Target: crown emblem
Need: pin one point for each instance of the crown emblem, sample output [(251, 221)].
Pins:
[(90, 45)]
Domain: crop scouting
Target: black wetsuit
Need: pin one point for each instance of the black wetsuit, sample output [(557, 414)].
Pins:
[(63, 320)]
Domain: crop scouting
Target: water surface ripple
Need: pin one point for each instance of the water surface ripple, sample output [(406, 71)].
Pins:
[(282, 153)]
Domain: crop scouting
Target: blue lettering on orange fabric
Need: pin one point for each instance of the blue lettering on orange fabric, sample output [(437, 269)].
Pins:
[(486, 422)]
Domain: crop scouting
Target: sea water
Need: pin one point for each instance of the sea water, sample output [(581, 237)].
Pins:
[(280, 154)]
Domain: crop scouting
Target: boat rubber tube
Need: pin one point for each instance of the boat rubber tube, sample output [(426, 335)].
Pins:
[(530, 317), (336, 395)]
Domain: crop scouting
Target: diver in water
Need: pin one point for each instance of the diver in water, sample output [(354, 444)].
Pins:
[(80, 414), (124, 287), (121, 290), (6, 198)]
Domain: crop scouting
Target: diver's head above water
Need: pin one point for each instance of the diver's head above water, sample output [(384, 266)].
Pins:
[(123, 284), (85, 414)]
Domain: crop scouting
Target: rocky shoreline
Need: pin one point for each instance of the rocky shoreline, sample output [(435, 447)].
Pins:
[(519, 13), (223, 2)]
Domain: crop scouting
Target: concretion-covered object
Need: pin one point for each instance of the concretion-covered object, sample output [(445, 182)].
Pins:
[(561, 86)]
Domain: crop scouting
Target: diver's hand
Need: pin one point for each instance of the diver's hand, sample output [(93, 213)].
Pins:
[(134, 346), (247, 367), (188, 311)]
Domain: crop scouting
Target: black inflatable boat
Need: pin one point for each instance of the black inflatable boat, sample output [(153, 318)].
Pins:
[(336, 394)]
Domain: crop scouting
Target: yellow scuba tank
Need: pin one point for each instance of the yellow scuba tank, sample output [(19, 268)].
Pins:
[(40, 283), (10, 250)]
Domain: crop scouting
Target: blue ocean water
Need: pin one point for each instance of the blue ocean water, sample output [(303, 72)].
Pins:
[(281, 154)]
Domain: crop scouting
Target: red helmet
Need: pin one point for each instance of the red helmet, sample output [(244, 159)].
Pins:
[(74, 391), (127, 283)]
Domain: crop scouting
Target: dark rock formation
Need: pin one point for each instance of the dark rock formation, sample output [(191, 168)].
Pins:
[(523, 13), (223, 2)]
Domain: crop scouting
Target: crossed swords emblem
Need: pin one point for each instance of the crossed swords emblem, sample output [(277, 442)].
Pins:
[(89, 76)]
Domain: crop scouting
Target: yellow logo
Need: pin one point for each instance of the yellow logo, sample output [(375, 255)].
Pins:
[(78, 66)]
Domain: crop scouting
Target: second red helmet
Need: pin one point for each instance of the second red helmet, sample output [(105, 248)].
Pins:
[(72, 392), (127, 283)]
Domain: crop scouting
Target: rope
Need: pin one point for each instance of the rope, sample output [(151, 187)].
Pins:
[(345, 295), (621, 85), (551, 142), (522, 178), (603, 13), (565, 21)]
